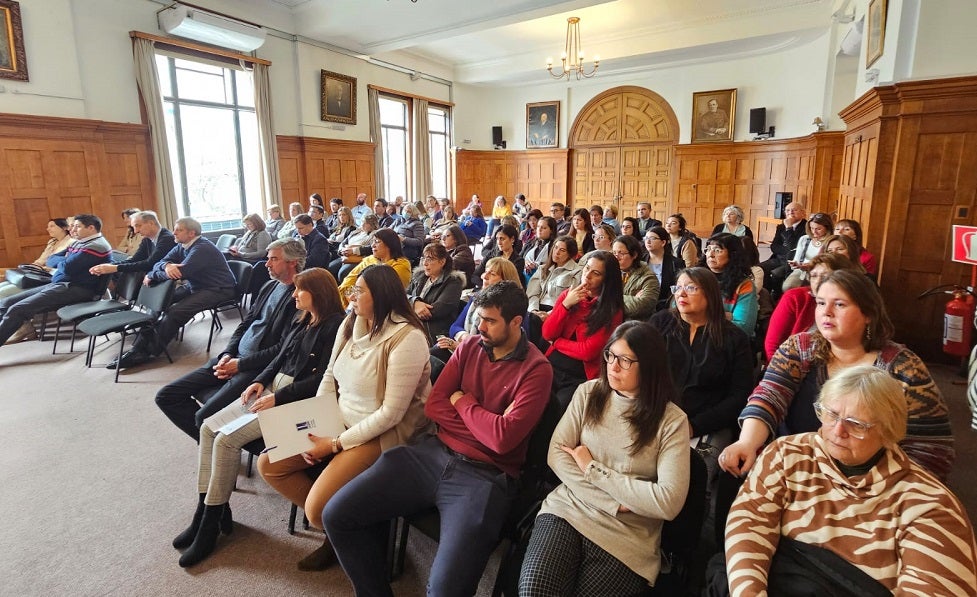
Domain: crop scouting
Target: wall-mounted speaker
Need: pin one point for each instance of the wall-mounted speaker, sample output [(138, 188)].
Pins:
[(496, 135), (780, 202), (758, 121)]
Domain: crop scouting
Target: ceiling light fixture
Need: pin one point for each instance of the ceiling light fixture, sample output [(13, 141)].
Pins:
[(572, 57)]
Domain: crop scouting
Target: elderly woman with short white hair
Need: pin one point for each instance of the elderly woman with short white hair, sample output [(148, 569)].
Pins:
[(845, 507), (733, 217)]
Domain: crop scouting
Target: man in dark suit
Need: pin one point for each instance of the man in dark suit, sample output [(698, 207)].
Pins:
[(557, 210), (782, 247), (256, 341), (316, 245), (156, 243)]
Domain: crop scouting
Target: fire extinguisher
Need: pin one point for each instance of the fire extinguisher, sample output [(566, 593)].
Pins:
[(958, 319)]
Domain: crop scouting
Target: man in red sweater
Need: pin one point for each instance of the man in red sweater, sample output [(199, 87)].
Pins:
[(486, 403)]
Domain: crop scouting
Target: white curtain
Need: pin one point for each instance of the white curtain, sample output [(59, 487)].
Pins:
[(422, 151), (376, 135), (271, 187), (148, 81)]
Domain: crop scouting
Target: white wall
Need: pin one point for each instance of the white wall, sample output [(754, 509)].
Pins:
[(791, 85), (945, 42)]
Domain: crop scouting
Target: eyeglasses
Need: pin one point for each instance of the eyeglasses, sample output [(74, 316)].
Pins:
[(429, 259), (854, 427), (620, 254), (714, 249), (353, 291), (622, 362), (688, 288)]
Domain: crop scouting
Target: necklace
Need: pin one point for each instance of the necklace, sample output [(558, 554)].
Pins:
[(816, 243), (353, 354)]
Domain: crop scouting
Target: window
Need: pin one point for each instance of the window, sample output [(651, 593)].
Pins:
[(396, 155), (212, 131), (437, 118)]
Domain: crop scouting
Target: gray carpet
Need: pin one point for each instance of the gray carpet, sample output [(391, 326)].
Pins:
[(96, 483)]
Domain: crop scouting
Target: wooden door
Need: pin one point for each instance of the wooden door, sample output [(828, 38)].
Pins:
[(621, 151)]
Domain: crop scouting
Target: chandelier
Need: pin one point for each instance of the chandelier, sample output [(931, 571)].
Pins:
[(572, 57)]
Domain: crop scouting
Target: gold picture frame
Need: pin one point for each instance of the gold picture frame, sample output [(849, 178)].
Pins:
[(13, 59), (543, 125), (875, 36), (713, 115), (338, 97)]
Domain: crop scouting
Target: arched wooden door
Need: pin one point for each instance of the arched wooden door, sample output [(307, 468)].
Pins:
[(621, 151)]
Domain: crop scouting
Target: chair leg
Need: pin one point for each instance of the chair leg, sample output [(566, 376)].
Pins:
[(249, 470), (213, 325), (291, 519), (74, 330), (57, 332), (122, 347)]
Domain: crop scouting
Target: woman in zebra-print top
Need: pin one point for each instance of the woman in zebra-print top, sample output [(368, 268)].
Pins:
[(849, 499)]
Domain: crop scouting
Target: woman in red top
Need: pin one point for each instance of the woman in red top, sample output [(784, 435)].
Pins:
[(581, 322)]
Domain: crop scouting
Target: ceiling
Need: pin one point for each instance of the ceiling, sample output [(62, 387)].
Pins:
[(508, 41)]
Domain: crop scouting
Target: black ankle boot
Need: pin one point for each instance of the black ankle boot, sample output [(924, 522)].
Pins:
[(227, 522), (206, 539), (184, 539), (320, 559)]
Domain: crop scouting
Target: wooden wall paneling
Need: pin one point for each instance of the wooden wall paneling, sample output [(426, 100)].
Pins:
[(540, 175), (291, 172), (332, 168), (57, 167)]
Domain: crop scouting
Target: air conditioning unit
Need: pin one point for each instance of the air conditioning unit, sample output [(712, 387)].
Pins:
[(210, 28)]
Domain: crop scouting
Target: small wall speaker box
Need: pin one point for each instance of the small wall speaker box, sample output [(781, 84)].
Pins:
[(780, 202), (496, 135), (758, 121)]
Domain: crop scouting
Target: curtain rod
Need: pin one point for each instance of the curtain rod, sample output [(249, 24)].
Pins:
[(430, 100), (188, 45)]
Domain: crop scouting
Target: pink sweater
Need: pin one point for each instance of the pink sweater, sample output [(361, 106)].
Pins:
[(794, 313)]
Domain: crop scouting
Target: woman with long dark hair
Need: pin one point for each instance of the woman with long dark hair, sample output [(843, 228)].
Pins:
[(435, 290), (293, 375), (684, 244), (640, 285), (662, 263), (853, 230), (379, 372), (582, 231), (725, 257), (710, 360), (581, 321), (558, 273), (536, 251), (462, 259), (621, 451), (505, 246)]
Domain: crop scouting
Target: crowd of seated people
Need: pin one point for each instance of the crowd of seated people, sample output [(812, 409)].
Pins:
[(621, 355)]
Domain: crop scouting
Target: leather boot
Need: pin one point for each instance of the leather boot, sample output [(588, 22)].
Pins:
[(320, 559), (184, 539), (206, 539)]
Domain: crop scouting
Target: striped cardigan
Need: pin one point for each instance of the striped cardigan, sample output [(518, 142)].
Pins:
[(897, 523)]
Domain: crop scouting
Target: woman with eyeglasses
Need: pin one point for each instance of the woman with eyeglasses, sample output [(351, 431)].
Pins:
[(640, 285), (582, 231), (621, 451), (843, 511), (386, 250), (604, 237), (435, 290), (725, 257), (662, 263), (581, 321), (710, 360), (379, 372), (853, 329), (819, 227), (294, 374)]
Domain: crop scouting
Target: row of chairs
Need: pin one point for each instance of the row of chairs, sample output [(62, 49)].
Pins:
[(138, 308)]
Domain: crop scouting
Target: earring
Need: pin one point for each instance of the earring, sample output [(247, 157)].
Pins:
[(868, 332)]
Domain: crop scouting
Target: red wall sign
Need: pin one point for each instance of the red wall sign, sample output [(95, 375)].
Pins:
[(965, 244)]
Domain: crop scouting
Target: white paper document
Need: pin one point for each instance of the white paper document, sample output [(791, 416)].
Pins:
[(230, 418), (286, 428)]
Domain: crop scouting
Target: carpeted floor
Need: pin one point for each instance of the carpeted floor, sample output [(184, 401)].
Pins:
[(96, 482)]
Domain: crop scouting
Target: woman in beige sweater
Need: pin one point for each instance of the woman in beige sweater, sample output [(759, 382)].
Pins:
[(622, 452), (379, 372)]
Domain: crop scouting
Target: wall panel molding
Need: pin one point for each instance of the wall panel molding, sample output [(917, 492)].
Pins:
[(539, 174), (332, 168)]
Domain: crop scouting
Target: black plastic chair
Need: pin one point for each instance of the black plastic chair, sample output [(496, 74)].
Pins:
[(101, 285), (126, 289), (242, 275), (225, 241), (145, 315), (259, 276)]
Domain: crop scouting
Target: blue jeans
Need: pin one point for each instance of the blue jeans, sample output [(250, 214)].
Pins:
[(472, 500)]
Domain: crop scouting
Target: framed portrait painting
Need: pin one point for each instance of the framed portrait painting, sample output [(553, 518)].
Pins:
[(875, 39), (13, 60), (543, 125), (713, 115), (338, 98)]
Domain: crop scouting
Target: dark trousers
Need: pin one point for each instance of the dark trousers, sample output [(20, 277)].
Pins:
[(185, 306), (472, 500), (20, 307), (775, 271), (199, 394)]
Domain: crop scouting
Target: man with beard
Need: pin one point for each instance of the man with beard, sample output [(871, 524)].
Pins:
[(255, 342), (486, 403), (361, 209)]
